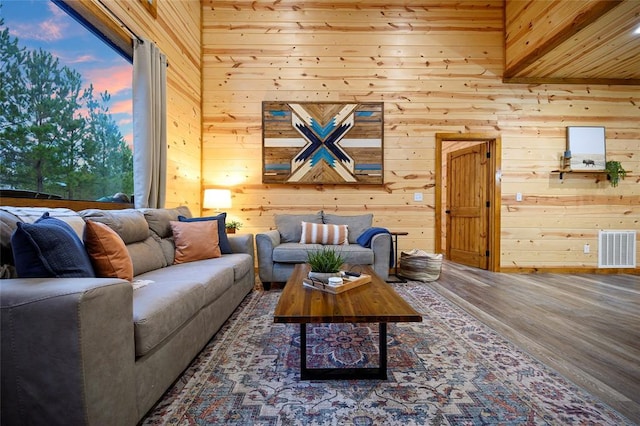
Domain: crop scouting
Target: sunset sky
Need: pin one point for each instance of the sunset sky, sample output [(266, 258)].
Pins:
[(41, 24)]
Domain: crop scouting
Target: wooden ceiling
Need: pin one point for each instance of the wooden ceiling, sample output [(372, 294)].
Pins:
[(580, 41)]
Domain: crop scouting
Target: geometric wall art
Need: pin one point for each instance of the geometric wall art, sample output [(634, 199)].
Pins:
[(322, 142)]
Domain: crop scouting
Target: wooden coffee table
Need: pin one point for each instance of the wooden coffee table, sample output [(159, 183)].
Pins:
[(376, 301)]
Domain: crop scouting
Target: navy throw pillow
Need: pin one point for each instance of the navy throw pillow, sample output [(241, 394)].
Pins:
[(49, 248), (225, 245)]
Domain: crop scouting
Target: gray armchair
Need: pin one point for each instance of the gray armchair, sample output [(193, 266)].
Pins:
[(280, 249)]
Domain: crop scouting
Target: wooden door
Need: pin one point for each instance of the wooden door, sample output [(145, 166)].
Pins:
[(467, 206)]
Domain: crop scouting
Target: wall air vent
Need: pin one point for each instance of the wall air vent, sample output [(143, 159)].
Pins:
[(617, 249)]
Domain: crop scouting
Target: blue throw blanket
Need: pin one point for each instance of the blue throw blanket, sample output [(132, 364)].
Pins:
[(365, 241)]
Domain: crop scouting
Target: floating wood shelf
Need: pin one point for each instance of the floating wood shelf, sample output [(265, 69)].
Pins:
[(591, 172), (563, 171)]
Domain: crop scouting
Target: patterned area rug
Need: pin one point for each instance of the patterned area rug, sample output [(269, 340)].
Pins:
[(448, 370)]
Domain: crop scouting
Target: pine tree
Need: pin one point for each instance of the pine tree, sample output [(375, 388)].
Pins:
[(55, 136), (12, 94), (111, 159)]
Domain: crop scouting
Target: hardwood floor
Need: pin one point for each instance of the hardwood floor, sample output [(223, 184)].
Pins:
[(586, 327)]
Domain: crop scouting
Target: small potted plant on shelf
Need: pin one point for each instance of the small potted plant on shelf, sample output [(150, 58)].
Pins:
[(615, 172), (325, 263), (232, 226)]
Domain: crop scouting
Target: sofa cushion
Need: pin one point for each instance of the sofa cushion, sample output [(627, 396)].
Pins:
[(162, 307), (108, 253), (290, 225), (357, 224), (297, 253), (49, 248), (293, 252), (215, 276), (319, 233), (195, 240), (159, 219), (223, 240), (240, 263), (8, 224), (32, 214), (129, 224), (157, 306), (355, 254), (146, 255), (144, 247)]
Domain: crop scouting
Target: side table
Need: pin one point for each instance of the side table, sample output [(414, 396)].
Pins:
[(395, 235)]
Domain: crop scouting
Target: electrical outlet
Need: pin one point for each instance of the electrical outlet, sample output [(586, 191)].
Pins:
[(417, 196), (587, 249), (519, 196)]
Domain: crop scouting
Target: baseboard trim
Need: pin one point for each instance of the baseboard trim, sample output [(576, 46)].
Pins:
[(571, 270)]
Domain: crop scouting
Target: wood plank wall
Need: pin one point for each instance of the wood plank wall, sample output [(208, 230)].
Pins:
[(438, 67), (176, 31)]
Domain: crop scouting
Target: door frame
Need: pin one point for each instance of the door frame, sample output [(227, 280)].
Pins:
[(494, 196)]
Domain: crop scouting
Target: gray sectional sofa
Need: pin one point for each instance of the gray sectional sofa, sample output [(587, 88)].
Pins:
[(98, 351), (280, 249)]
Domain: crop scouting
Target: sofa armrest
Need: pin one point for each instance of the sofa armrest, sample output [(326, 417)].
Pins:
[(242, 243), (265, 243), (381, 246), (67, 351)]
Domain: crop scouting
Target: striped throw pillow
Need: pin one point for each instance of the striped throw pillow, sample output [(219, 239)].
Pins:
[(318, 233)]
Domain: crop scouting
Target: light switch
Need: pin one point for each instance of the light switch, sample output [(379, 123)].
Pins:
[(519, 196), (417, 196)]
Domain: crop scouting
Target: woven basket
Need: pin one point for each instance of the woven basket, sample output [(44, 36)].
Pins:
[(420, 266)]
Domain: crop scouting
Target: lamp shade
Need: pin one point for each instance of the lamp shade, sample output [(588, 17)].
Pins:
[(217, 199)]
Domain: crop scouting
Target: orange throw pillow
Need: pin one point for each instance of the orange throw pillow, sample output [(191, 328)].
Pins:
[(195, 240), (107, 251)]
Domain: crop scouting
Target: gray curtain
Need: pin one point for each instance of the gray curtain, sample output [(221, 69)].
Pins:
[(149, 125)]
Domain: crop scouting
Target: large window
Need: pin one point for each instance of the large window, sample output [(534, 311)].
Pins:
[(65, 107)]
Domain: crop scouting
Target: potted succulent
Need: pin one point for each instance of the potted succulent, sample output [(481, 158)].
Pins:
[(615, 172), (325, 263), (232, 226)]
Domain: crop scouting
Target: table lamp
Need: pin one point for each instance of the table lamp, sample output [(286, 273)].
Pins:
[(217, 199)]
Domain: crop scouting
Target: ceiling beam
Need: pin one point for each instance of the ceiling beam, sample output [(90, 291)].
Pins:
[(596, 10)]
